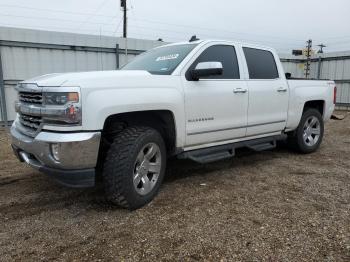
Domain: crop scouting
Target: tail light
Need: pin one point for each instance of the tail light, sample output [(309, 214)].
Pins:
[(335, 95)]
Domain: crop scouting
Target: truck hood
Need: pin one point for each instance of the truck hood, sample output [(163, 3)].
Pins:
[(94, 78)]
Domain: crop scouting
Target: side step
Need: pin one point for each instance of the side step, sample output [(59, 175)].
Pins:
[(211, 154), (263, 146)]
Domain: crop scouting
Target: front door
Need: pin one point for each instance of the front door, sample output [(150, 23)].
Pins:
[(216, 107)]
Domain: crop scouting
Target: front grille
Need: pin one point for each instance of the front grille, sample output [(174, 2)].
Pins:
[(31, 97), (30, 122), (29, 106)]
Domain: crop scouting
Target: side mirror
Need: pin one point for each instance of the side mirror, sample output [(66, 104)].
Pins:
[(204, 69)]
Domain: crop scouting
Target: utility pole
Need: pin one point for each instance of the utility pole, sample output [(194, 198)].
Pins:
[(308, 58), (123, 6), (319, 64), (125, 28)]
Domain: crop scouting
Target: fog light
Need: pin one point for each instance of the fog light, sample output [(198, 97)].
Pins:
[(55, 151)]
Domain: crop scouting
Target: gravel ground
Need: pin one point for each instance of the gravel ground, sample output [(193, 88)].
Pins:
[(271, 206)]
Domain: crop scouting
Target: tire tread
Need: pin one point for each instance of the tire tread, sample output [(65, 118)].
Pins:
[(118, 159)]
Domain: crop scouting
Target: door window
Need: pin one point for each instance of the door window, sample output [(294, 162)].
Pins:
[(225, 54), (261, 64)]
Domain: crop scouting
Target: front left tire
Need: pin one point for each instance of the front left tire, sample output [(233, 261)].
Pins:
[(134, 167)]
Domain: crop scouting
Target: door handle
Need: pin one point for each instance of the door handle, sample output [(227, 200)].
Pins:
[(282, 89), (239, 90)]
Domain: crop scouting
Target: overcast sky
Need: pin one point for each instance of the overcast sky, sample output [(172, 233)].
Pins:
[(283, 24)]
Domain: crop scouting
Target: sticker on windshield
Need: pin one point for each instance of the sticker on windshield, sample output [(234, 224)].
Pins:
[(167, 57)]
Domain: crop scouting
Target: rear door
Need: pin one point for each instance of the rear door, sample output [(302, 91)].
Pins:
[(268, 92)]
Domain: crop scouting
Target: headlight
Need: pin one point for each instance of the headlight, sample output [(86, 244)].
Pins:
[(61, 108), (51, 98)]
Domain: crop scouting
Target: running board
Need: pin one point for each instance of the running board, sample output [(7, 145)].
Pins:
[(210, 154), (215, 153), (263, 146)]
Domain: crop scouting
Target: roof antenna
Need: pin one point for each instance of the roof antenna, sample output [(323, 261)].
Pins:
[(194, 38)]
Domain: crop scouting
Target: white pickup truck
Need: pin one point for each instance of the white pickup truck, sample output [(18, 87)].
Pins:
[(198, 100)]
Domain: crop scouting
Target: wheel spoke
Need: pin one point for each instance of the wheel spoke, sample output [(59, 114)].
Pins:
[(146, 184), (151, 152), (304, 136), (148, 166), (313, 122), (315, 131), (311, 140), (137, 179), (140, 157), (154, 167)]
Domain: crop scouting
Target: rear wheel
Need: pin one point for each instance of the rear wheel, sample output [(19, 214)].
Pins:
[(309, 134), (134, 167)]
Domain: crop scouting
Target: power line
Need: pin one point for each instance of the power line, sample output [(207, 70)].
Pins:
[(93, 14), (211, 29), (339, 43), (152, 21), (55, 19), (157, 22), (112, 24), (133, 26), (338, 37), (211, 36), (116, 29), (142, 27), (145, 20), (155, 35), (138, 35), (55, 11), (65, 29)]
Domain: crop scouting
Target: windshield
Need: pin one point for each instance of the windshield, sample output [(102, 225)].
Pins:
[(160, 61)]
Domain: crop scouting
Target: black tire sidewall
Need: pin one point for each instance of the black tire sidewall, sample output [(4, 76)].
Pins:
[(304, 148), (131, 194), (119, 167)]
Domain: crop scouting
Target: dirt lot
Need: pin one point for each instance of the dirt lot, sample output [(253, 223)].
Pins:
[(274, 206)]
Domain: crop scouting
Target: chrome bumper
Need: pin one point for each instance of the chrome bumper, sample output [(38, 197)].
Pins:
[(76, 150)]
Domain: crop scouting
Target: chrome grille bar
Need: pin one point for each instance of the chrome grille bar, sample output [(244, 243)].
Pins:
[(33, 98), (31, 122)]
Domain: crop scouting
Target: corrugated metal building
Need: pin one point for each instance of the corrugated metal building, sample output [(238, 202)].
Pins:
[(334, 66), (27, 53)]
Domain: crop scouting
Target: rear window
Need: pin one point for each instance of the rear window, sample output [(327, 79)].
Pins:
[(261, 64)]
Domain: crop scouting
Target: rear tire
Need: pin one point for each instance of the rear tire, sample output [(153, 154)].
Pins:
[(309, 134), (134, 167)]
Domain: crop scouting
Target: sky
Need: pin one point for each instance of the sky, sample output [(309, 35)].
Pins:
[(282, 24)]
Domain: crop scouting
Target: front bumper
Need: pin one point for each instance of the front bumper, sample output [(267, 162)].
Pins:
[(78, 153)]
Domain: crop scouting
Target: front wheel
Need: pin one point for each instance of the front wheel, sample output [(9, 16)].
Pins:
[(309, 134), (134, 167)]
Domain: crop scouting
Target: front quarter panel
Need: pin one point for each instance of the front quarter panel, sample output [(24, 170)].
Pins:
[(149, 93)]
